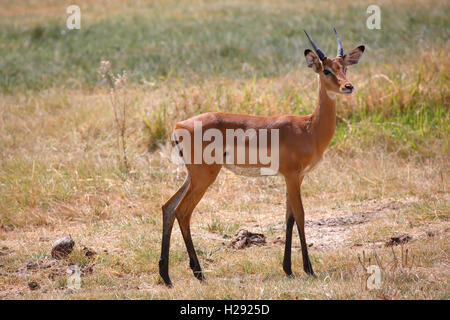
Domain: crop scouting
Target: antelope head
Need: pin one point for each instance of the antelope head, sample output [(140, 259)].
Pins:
[(332, 71)]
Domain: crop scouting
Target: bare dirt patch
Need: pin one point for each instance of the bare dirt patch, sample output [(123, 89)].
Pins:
[(334, 226)]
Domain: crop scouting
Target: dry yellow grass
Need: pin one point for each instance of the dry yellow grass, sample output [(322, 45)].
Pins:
[(60, 176)]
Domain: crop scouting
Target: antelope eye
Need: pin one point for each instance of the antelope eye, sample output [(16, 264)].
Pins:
[(326, 72)]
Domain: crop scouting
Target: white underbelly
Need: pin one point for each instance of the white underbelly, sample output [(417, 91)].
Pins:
[(244, 171), (256, 172)]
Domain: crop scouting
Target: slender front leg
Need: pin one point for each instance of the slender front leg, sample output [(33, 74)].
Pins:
[(295, 201), (288, 243), (301, 231)]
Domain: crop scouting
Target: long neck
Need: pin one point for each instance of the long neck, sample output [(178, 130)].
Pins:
[(324, 118)]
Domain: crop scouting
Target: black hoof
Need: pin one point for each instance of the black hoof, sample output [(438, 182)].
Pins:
[(168, 284), (310, 272), (166, 279), (199, 275), (308, 269), (164, 273), (288, 272)]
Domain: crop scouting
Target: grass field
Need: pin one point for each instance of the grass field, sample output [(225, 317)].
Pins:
[(385, 173)]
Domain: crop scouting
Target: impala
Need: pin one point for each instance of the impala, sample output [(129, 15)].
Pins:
[(302, 142)]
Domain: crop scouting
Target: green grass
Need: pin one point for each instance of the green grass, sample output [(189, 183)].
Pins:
[(225, 40), (216, 225), (246, 42)]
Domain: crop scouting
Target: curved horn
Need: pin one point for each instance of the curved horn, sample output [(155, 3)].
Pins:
[(317, 50), (340, 49)]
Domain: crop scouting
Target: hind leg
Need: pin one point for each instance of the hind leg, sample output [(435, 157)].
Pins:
[(204, 177), (168, 220)]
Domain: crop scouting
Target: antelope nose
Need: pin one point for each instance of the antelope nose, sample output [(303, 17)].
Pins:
[(349, 86)]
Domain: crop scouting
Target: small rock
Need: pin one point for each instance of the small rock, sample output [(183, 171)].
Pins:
[(62, 247), (398, 239), (244, 238), (33, 285)]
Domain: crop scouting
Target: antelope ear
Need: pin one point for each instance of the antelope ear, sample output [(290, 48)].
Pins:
[(312, 60), (353, 56)]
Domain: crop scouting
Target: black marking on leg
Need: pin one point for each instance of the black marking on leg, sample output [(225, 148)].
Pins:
[(164, 271), (307, 267), (288, 245)]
